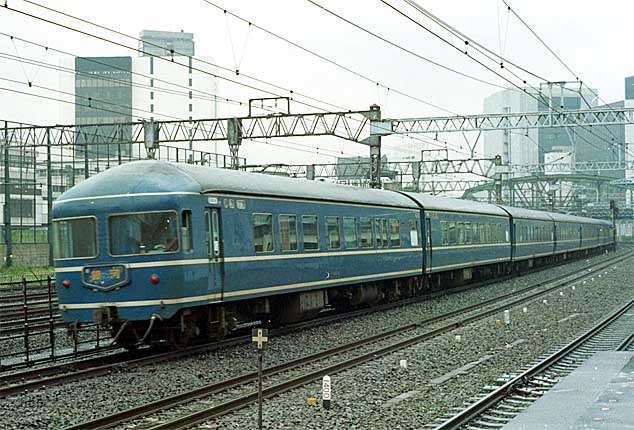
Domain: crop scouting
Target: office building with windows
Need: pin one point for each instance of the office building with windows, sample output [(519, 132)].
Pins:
[(158, 84)]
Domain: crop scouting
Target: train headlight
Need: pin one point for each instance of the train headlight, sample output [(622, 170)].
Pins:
[(154, 279), (66, 283)]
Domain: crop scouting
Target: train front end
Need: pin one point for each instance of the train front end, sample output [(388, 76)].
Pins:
[(124, 260)]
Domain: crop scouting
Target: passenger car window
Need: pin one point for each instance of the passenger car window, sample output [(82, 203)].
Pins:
[(288, 232), (395, 234), (75, 238), (365, 232), (187, 231), (378, 233), (263, 232), (310, 232), (413, 232), (333, 237), (143, 233), (453, 237), (385, 231), (350, 232)]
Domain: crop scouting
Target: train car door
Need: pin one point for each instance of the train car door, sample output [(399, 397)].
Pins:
[(429, 252), (580, 236), (214, 251), (513, 239)]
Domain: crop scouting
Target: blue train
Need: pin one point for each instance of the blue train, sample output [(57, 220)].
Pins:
[(159, 251)]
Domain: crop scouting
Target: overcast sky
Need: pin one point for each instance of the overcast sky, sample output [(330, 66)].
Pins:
[(589, 37)]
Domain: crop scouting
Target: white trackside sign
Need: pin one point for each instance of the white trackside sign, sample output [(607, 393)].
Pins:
[(326, 391)]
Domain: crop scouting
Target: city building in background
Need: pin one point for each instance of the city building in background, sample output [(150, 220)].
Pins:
[(166, 43), (514, 146), (530, 146), (165, 82), (103, 95)]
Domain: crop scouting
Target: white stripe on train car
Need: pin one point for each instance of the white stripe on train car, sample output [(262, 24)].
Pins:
[(187, 262), (115, 196)]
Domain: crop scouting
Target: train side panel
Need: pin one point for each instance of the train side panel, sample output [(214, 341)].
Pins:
[(533, 238), (271, 246), (465, 240)]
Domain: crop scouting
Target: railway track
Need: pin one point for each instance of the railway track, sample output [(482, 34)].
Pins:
[(62, 373), (188, 408), (511, 396)]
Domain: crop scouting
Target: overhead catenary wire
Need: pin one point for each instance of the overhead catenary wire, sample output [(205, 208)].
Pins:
[(119, 112), (511, 10), (400, 47), (560, 60), (430, 141), (215, 97), (173, 52), (250, 23), (112, 80), (326, 59), (169, 60), (115, 105), (467, 39), (470, 42), (162, 58), (219, 98), (489, 68)]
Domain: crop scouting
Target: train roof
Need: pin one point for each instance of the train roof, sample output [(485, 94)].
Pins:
[(448, 204), (521, 213), (153, 176), (573, 218)]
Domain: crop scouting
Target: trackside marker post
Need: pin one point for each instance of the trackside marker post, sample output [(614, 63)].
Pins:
[(260, 337), (326, 392)]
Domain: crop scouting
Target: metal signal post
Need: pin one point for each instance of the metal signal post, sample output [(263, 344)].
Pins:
[(260, 338)]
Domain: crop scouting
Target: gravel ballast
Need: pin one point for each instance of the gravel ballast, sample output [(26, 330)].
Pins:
[(360, 394), (444, 373)]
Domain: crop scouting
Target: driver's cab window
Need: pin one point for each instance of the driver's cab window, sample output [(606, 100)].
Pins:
[(143, 233)]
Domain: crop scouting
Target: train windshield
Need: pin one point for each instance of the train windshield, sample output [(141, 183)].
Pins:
[(75, 238), (143, 233)]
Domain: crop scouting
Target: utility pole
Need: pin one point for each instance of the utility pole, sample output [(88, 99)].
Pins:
[(49, 197), (614, 212), (234, 138), (375, 148), (8, 243)]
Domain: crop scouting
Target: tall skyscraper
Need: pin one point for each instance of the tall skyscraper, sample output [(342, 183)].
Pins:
[(116, 90), (529, 146), (103, 95), (166, 43)]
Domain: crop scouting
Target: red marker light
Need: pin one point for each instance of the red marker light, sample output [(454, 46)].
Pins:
[(154, 279), (66, 283)]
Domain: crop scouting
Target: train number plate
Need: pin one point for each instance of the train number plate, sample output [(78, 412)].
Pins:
[(105, 277)]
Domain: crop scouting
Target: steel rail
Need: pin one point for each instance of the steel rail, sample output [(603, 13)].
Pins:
[(17, 298), (625, 345), (482, 405)]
